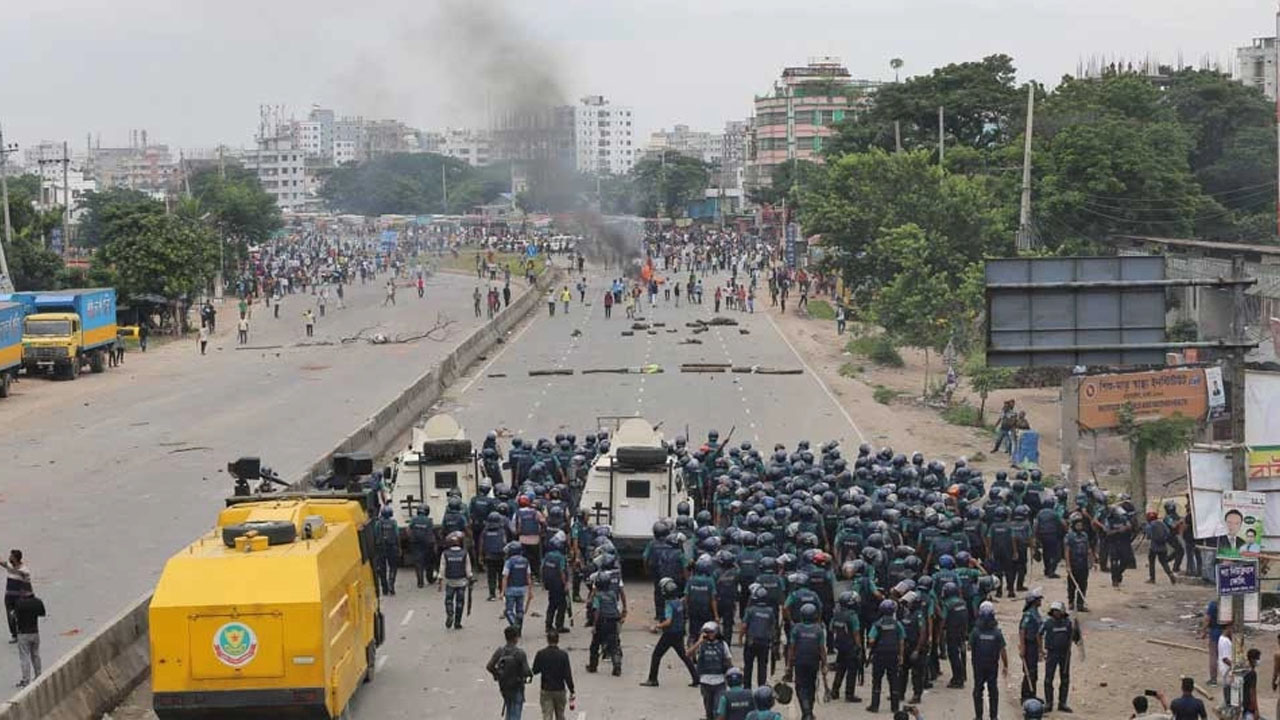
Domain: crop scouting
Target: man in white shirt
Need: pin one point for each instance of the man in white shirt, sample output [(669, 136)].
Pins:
[(1224, 662)]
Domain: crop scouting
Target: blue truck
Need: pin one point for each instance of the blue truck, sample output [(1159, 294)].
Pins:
[(11, 315), (66, 330)]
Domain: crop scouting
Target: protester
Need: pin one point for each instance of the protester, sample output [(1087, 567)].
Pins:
[(509, 667), (557, 690)]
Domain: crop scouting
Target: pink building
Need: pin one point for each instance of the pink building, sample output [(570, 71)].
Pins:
[(793, 121)]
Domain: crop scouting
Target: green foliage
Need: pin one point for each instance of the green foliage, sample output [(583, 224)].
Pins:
[(31, 265), (239, 208), (668, 185), (785, 179), (821, 310), (884, 395), (113, 213), (1163, 436), (850, 370), (173, 256), (1184, 330), (412, 184), (963, 413), (878, 349)]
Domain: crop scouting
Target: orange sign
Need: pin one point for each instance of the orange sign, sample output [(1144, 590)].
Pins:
[(1153, 395)]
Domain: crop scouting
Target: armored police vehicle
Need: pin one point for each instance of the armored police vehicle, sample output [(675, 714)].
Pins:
[(632, 486), (440, 459)]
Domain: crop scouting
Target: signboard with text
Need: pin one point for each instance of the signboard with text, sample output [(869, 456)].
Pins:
[(1152, 395), (1237, 578)]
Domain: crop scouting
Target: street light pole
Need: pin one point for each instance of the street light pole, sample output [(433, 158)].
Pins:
[(6, 282)]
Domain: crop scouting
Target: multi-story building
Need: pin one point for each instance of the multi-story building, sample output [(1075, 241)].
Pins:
[(705, 146), (387, 137), (603, 136), (794, 119), (733, 153), (310, 139), (281, 168), (475, 147), (350, 131), (324, 121), (1256, 65), (344, 152), (141, 166)]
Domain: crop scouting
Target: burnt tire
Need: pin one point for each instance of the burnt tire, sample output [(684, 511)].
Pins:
[(277, 532), (640, 456), (96, 363)]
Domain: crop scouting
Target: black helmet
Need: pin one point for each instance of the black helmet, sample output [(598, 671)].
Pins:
[(808, 612), (759, 595), (762, 697), (713, 435), (848, 599), (513, 548), (1032, 709), (683, 508), (455, 503), (661, 529)]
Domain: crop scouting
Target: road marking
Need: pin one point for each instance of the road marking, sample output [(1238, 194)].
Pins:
[(506, 346), (407, 617), (381, 661), (814, 375)]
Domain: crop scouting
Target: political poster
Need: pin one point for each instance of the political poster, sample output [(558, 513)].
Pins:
[(1217, 393), (1243, 517)]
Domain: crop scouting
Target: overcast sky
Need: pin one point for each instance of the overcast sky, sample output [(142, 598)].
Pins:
[(194, 72)]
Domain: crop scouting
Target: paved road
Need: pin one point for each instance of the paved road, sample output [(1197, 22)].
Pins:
[(106, 476), (425, 670)]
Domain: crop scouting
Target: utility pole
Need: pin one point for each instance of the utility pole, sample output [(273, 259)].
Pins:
[(897, 135), (1239, 453), (1025, 241), (66, 196), (6, 281), (444, 186), (1278, 121), (942, 145)]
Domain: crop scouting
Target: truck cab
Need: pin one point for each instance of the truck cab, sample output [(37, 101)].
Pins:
[(440, 458), (67, 330), (632, 486)]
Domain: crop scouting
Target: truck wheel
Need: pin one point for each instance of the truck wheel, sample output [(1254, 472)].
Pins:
[(277, 532), (4, 384), (371, 661), (73, 369), (95, 362)]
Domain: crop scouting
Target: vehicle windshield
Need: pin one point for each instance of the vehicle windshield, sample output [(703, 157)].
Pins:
[(48, 327)]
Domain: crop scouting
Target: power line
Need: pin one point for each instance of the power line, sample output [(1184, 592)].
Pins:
[(1221, 193), (1243, 197), (1209, 216)]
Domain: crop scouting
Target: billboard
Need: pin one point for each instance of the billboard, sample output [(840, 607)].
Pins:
[(1062, 312), (1153, 395), (1262, 423)]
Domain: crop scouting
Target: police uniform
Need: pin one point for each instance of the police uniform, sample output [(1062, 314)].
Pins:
[(1077, 546), (1058, 634), (455, 571), (387, 544), (846, 635), (606, 604), (1029, 630), (760, 627), (553, 573), (518, 576), (422, 541), (492, 542), (735, 703), (700, 594), (712, 660), (955, 631), (1049, 537), (886, 639), (808, 648), (672, 638), (985, 645)]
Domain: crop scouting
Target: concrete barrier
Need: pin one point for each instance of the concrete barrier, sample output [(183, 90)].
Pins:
[(94, 677), (101, 672)]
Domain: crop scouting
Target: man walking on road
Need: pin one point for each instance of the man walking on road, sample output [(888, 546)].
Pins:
[(552, 664), (27, 613), (17, 582), (242, 330), (204, 338), (309, 319), (509, 667)]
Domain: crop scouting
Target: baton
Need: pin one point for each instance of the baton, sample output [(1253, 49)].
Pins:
[(471, 584)]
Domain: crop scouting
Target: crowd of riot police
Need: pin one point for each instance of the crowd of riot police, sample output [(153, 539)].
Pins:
[(878, 570)]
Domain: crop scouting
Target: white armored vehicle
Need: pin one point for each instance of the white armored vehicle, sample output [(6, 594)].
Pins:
[(439, 459), (632, 486)]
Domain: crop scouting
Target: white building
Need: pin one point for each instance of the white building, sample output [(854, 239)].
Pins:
[(700, 145), (310, 136), (344, 151), (603, 136), (475, 147), (1256, 65), (281, 168)]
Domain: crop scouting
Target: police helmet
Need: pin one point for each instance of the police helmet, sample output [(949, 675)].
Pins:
[(661, 529), (808, 612), (683, 508), (888, 607), (759, 594), (1032, 709), (386, 511), (762, 697), (848, 599), (733, 677), (946, 562), (455, 504), (513, 548), (668, 587), (710, 627), (950, 590)]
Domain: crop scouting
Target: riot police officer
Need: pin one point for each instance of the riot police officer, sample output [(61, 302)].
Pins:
[(712, 659), (807, 656), (453, 578), (758, 630), (955, 632), (700, 596), (1049, 531), (736, 701), (886, 638), (422, 545), (492, 545), (1080, 558), (1029, 643), (609, 607), (990, 658), (554, 574), (846, 637), (1060, 632), (386, 536), (764, 700), (671, 626), (517, 584)]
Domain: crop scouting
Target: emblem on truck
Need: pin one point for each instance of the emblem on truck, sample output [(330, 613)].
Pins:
[(235, 644)]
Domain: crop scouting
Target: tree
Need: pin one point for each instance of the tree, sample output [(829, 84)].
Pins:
[(32, 266), (174, 256), (668, 184), (239, 208), (784, 179), (1165, 436), (413, 184), (896, 64), (112, 213), (984, 378)]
